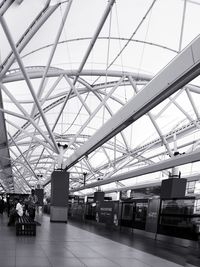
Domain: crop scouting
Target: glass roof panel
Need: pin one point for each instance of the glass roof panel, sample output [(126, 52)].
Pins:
[(66, 83)]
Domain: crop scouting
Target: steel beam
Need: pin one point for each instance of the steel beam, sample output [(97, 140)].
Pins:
[(26, 114), (78, 94), (25, 160), (28, 35), (95, 112), (5, 154), (153, 120), (36, 72), (88, 51), (4, 6), (182, 25), (29, 84), (162, 165), (31, 135), (41, 86), (143, 185), (181, 70)]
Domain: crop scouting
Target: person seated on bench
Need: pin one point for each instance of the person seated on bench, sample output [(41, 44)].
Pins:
[(16, 211), (19, 208)]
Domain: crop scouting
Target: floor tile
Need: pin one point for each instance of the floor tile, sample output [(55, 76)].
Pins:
[(68, 262), (32, 261), (7, 261), (61, 254), (131, 262), (99, 262)]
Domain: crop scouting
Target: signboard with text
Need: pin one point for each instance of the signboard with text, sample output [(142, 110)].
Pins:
[(107, 212)]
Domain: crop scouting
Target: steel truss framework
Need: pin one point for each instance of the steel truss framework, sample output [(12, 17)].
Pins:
[(33, 134)]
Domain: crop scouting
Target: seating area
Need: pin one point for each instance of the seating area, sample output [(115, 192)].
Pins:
[(25, 226)]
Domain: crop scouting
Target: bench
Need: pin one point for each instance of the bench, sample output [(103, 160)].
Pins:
[(25, 226)]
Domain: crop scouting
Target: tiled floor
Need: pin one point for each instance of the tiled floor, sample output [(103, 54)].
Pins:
[(61, 245)]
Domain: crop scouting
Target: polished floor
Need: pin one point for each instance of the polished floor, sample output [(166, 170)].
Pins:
[(61, 245)]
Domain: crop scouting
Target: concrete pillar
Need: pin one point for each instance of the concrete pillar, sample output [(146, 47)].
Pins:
[(59, 196)]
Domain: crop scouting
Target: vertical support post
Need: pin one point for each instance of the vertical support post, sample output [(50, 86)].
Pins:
[(84, 178), (158, 222), (182, 25)]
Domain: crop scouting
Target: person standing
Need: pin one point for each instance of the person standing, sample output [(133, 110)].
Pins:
[(8, 205), (2, 204), (32, 201)]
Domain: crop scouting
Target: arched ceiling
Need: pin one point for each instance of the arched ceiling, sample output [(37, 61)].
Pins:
[(67, 69)]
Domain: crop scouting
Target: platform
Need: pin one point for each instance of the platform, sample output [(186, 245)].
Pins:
[(73, 244)]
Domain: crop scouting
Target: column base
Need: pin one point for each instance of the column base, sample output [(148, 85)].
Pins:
[(58, 214)]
